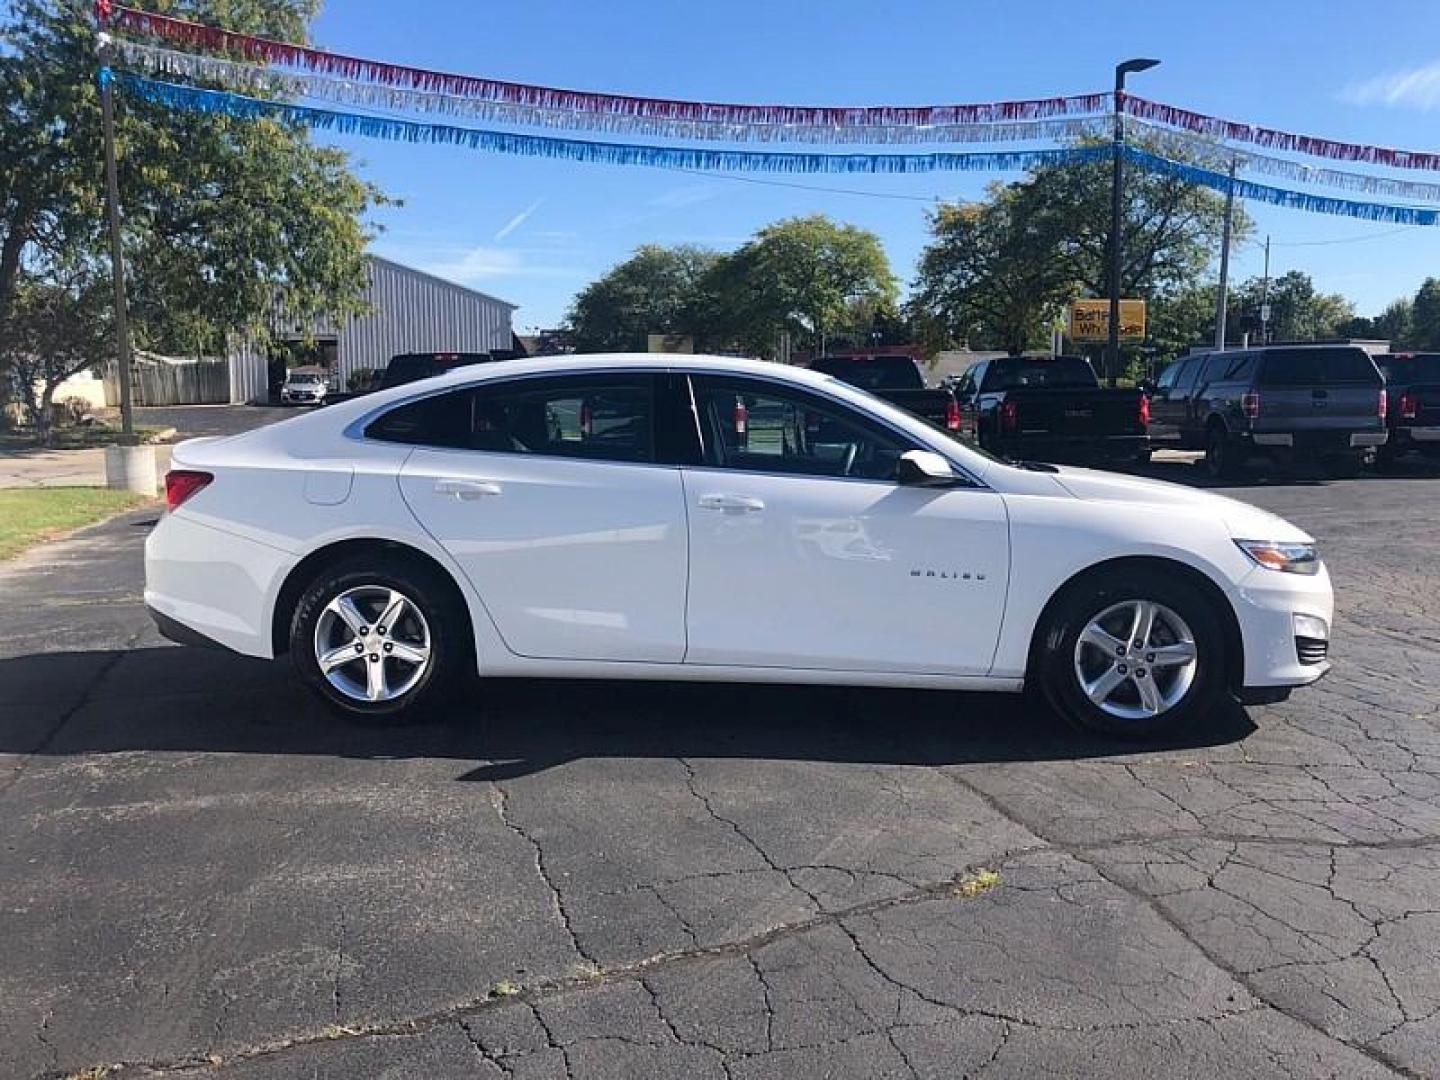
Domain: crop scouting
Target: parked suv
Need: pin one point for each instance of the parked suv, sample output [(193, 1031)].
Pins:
[(1282, 402)]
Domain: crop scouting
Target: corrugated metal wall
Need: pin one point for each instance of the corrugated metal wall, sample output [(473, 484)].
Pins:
[(411, 311)]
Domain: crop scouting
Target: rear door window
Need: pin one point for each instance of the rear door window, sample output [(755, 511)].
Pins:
[(1317, 367), (595, 417)]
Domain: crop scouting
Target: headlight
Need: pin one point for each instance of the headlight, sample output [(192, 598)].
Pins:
[(1287, 558)]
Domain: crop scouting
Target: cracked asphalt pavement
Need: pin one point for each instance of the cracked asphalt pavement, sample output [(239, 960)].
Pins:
[(202, 873)]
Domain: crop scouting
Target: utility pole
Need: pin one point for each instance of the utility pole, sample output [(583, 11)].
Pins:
[(1265, 298), (117, 255), (1220, 298), (1117, 182)]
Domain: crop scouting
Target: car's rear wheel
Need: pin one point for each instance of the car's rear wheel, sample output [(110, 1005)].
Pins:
[(1133, 655), (1221, 460), (376, 640)]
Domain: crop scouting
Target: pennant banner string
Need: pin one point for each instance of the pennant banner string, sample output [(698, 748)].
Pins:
[(215, 39), (194, 99), (1271, 138), (1173, 143), (265, 81), (1297, 200)]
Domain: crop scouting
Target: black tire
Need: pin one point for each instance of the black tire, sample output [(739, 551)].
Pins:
[(443, 614), (1221, 460), (1057, 645)]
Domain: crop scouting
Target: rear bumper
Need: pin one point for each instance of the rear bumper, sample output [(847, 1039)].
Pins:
[(1340, 441), (212, 585), (1420, 437)]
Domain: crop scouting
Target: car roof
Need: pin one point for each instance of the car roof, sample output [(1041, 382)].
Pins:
[(579, 364)]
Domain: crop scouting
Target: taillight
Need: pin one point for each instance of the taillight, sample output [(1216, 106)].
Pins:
[(1144, 410), (1409, 405), (1250, 403), (741, 416), (180, 484), (1384, 405), (1009, 416), (587, 420), (952, 415)]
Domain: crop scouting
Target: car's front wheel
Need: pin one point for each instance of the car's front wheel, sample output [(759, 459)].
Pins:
[(1133, 655), (376, 640)]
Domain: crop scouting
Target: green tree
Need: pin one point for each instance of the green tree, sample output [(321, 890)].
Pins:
[(1425, 318), (658, 290), (988, 277), (54, 330), (1180, 317), (808, 276), (1044, 240), (224, 219), (1298, 312)]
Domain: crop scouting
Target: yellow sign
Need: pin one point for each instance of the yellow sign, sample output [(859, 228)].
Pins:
[(1090, 320), (669, 343)]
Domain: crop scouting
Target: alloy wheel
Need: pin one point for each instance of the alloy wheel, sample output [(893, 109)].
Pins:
[(372, 643), (1135, 660)]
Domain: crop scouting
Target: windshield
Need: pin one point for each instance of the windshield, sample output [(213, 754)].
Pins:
[(873, 372), (1039, 371), (305, 377), (1422, 367)]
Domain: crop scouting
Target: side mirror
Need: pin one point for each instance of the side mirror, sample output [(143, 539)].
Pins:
[(924, 468)]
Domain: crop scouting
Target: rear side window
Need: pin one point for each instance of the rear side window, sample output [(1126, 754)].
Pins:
[(1039, 371), (1421, 367), (602, 418), (1226, 368), (1317, 367), (1188, 369)]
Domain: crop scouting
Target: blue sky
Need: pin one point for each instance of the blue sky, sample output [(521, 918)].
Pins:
[(535, 230)]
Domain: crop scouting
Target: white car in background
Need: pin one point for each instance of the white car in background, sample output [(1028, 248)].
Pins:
[(305, 386), (684, 517)]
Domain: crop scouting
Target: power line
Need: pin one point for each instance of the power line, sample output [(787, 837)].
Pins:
[(1347, 239)]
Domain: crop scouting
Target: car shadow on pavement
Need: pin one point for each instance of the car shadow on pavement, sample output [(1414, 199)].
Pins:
[(193, 700)]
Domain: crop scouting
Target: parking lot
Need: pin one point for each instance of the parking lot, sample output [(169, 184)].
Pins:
[(200, 871)]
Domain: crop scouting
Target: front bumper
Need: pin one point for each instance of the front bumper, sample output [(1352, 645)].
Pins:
[(1266, 605)]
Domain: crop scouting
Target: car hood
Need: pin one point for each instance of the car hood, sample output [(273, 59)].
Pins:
[(1244, 521)]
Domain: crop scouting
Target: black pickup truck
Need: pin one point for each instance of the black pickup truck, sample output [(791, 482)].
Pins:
[(896, 379), (1412, 399), (1050, 408)]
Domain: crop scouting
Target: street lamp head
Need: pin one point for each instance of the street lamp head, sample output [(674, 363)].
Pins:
[(1139, 64)]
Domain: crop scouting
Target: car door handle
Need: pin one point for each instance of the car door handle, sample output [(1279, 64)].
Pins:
[(467, 489), (731, 504)]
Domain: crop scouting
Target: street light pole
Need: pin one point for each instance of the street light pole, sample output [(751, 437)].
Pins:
[(1222, 294), (1112, 352), (117, 255)]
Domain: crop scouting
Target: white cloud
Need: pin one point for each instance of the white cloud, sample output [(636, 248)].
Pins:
[(518, 220), (476, 265), (1417, 88), (689, 195)]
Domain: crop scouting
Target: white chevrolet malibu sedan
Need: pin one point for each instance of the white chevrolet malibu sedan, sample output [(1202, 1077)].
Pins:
[(681, 517)]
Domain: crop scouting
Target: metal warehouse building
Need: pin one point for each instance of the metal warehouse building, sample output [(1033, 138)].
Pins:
[(408, 311)]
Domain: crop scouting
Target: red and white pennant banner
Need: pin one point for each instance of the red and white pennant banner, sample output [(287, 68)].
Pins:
[(215, 39)]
